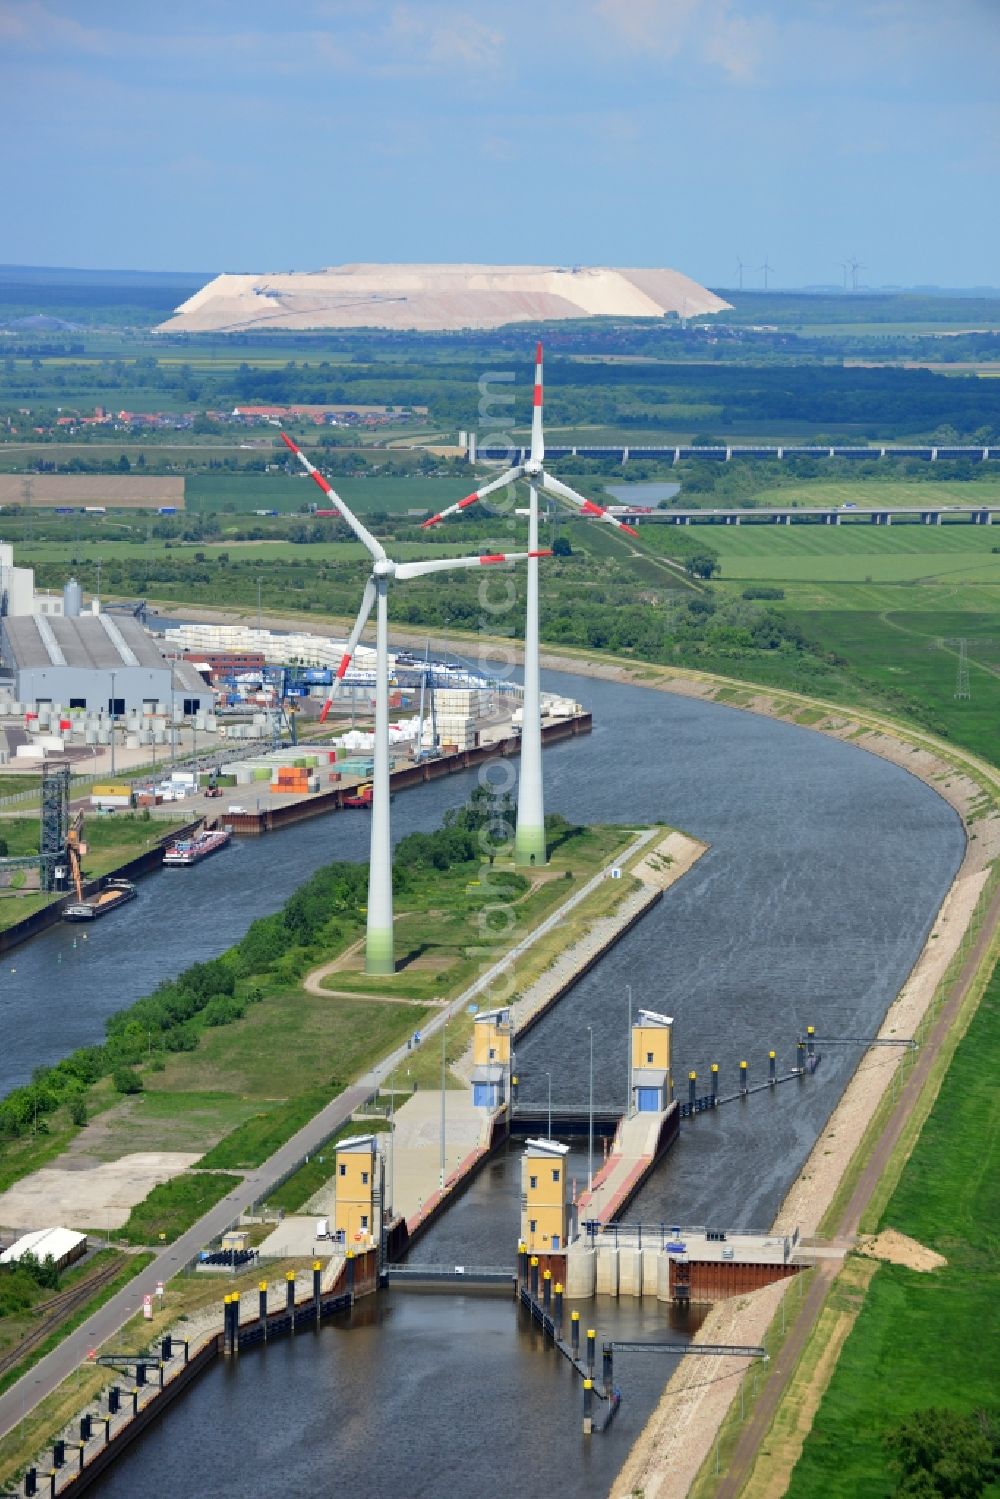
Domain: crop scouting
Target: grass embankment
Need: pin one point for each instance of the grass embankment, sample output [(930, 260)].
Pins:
[(15, 785), (235, 1055), (174, 1205), (923, 1340)]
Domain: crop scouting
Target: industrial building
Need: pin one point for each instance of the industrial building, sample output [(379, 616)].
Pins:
[(95, 663), (60, 1245), (17, 588)]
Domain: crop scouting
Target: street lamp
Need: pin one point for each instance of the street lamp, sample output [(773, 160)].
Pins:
[(590, 1116), (113, 716), (443, 1070), (628, 1056)]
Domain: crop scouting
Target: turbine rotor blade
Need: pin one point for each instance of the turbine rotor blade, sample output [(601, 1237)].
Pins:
[(407, 570), (477, 494), (537, 436), (585, 507), (346, 514), (367, 604)]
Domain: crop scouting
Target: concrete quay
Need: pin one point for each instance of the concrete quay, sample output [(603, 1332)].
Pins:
[(639, 1143)]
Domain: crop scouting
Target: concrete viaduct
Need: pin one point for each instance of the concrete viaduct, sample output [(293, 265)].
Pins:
[(724, 454)]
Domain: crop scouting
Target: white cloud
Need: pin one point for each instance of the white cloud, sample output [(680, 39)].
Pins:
[(709, 31)]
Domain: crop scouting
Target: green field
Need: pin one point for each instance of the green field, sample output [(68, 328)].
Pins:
[(870, 494), (282, 492), (887, 605), (854, 552), (924, 1340)]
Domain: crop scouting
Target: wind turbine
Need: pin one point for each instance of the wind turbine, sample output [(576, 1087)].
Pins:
[(856, 266), (379, 948), (740, 268), (529, 838), (767, 270)]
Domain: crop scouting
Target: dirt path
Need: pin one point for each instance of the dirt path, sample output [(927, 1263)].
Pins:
[(312, 983)]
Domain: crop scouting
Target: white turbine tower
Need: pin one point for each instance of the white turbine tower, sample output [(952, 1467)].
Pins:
[(529, 839), (379, 946)]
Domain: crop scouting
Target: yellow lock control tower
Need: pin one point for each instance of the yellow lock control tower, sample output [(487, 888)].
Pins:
[(543, 1196), (356, 1183), (652, 1085), (491, 1039)]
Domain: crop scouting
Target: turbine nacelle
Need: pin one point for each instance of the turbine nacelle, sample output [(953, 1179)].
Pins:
[(532, 468)]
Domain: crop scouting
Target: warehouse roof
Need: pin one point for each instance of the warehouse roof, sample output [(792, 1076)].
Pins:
[(43, 1243), (94, 642)]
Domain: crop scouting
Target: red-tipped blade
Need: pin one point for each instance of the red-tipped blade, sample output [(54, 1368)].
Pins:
[(537, 435)]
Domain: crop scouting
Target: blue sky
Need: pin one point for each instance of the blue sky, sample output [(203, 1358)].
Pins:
[(255, 136)]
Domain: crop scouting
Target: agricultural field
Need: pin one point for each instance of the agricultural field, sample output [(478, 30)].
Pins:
[(244, 494), (922, 1340), (872, 494), (889, 605), (957, 555)]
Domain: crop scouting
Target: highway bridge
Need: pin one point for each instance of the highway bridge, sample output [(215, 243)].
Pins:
[(724, 453), (882, 515)]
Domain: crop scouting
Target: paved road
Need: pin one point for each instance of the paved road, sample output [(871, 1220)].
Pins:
[(56, 1366), (759, 1424)]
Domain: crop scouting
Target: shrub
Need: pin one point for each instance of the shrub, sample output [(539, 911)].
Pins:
[(126, 1080), (763, 591)]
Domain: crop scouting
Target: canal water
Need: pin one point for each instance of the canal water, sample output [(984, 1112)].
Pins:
[(410, 1397), (825, 870), (643, 492)]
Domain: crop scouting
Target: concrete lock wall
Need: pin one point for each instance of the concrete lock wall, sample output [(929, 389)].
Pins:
[(581, 1273), (630, 1269), (607, 1270)]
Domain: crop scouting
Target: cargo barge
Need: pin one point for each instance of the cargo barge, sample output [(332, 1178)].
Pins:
[(111, 895), (186, 851)]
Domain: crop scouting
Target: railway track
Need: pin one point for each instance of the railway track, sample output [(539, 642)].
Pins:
[(54, 1312)]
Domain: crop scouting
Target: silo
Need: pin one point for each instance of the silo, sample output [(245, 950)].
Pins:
[(72, 599)]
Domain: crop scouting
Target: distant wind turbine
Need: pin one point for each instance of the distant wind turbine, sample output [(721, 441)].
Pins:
[(855, 266), (767, 270), (739, 268)]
